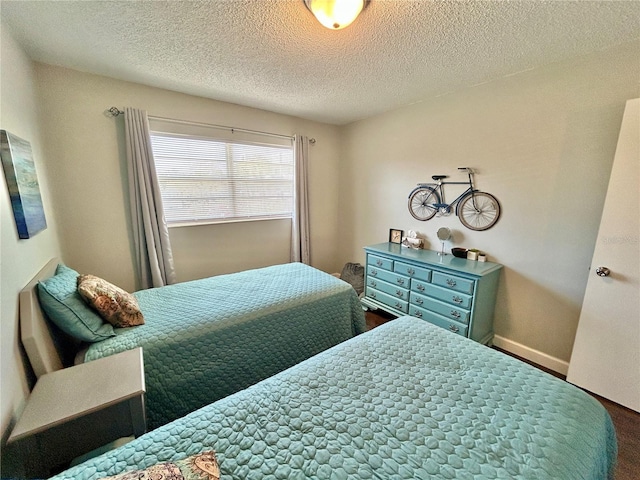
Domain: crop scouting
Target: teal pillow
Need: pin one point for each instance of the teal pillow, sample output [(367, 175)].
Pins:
[(63, 304)]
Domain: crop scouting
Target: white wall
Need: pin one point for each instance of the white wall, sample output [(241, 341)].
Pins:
[(543, 142), (89, 182), (19, 259)]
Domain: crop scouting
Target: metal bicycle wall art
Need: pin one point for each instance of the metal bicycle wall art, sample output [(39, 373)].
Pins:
[(476, 210)]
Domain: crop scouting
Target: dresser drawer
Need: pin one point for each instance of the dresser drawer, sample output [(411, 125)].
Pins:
[(452, 282), (388, 300), (419, 286), (445, 309), (461, 300), (394, 290), (438, 320), (380, 262), (391, 277), (412, 271)]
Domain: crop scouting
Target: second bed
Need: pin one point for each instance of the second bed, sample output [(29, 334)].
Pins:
[(407, 400)]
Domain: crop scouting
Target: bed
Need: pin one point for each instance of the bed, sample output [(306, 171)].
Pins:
[(406, 400), (206, 339)]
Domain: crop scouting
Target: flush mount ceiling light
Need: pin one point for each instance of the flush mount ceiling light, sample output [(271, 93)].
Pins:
[(336, 14)]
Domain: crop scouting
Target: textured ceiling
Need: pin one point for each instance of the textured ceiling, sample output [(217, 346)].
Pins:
[(272, 54)]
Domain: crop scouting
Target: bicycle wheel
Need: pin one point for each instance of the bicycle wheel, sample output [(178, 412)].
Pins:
[(421, 203), (479, 211)]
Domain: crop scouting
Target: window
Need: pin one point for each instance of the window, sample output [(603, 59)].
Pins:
[(210, 175)]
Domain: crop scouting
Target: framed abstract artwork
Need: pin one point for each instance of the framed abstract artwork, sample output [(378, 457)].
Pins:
[(22, 183)]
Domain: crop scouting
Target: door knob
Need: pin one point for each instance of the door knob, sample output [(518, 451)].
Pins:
[(603, 271)]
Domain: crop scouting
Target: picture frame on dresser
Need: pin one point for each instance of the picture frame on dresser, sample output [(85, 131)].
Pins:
[(453, 293), (395, 235)]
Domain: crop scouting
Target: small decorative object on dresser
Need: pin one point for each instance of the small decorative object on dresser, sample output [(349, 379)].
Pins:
[(472, 254), (395, 235), (453, 293), (412, 240), (444, 234)]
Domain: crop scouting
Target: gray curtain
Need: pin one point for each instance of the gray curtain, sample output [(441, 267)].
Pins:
[(154, 261), (300, 249)]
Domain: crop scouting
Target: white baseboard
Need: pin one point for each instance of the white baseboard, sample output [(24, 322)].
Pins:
[(532, 355)]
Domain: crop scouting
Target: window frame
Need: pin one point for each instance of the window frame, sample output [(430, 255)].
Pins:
[(229, 137)]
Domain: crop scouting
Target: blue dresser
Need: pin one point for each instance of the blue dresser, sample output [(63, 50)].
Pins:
[(453, 293)]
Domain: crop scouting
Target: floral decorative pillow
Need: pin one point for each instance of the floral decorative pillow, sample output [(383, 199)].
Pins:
[(116, 306), (203, 466)]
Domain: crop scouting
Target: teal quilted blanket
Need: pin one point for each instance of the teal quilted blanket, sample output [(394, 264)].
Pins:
[(407, 400), (206, 339)]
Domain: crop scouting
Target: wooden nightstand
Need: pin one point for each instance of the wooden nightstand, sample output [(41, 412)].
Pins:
[(75, 410)]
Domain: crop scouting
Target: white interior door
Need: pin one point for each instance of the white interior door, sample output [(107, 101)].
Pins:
[(606, 352)]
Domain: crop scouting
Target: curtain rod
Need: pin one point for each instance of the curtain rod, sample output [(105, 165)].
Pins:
[(115, 111)]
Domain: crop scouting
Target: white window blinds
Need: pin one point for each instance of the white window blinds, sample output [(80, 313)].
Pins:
[(210, 175)]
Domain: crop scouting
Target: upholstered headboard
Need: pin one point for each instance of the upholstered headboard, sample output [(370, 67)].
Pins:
[(47, 347)]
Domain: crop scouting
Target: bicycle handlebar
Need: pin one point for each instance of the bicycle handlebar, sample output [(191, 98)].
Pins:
[(465, 169)]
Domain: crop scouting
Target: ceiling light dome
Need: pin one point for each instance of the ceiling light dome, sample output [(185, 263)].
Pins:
[(336, 14)]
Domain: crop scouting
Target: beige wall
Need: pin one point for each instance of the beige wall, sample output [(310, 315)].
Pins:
[(19, 259), (543, 142), (89, 182)]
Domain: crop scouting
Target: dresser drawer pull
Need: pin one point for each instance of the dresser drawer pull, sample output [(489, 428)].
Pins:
[(454, 329), (419, 301), (374, 272), (451, 282), (400, 281), (457, 299), (421, 287), (455, 314), (411, 271), (417, 314), (398, 305), (399, 293), (372, 294), (379, 263), (373, 283)]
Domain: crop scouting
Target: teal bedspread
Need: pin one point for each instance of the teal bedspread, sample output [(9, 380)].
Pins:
[(206, 339), (407, 400)]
